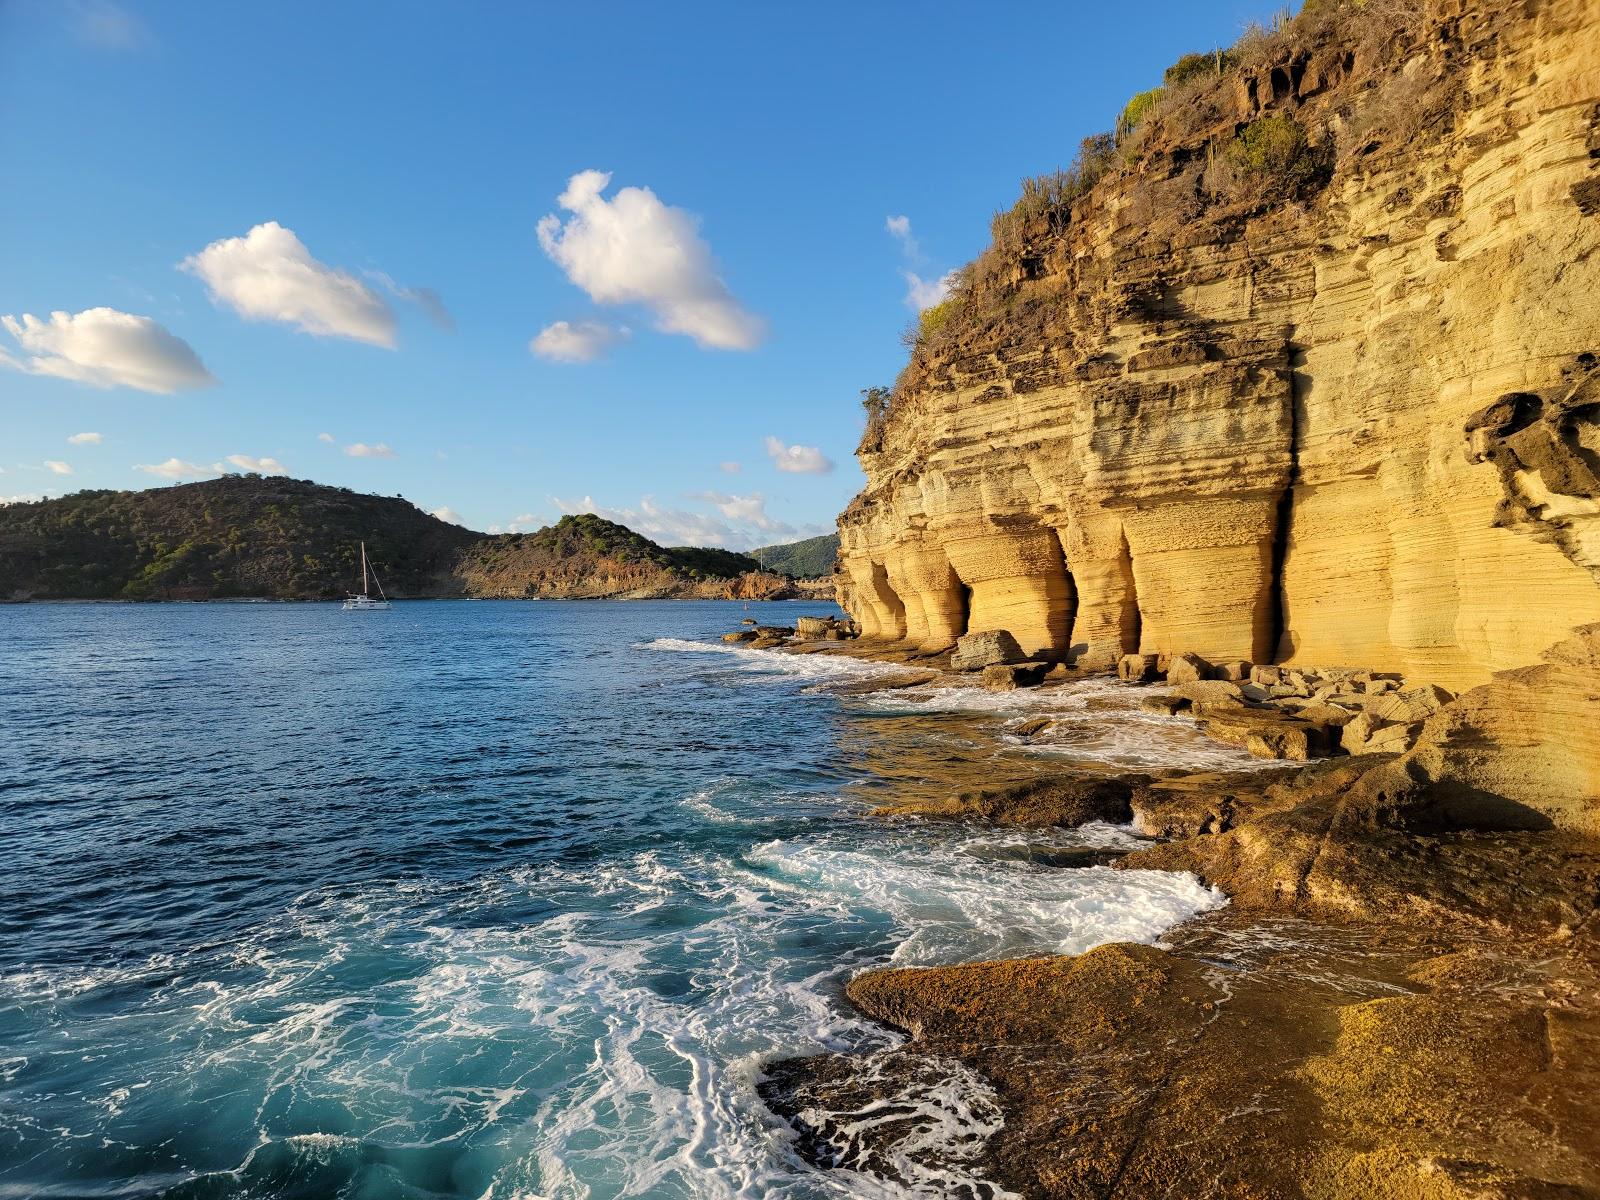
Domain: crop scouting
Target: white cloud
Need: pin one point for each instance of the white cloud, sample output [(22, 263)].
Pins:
[(731, 468), (105, 348), (56, 467), (798, 460), (269, 275), (749, 510), (324, 437), (580, 343), (522, 523), (84, 439), (362, 450), (259, 466), (633, 249), (900, 229), (176, 468), (108, 26), (925, 293), (25, 498), (445, 513)]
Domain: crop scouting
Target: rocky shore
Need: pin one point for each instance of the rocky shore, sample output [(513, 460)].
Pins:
[(1401, 999)]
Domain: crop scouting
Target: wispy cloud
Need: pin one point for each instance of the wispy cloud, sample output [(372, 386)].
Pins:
[(269, 275), (425, 298), (921, 291), (798, 460), (633, 249), (177, 468), (445, 513), (731, 468), (580, 343), (258, 466), (104, 348), (325, 437), (84, 439), (56, 467), (107, 26), (362, 450)]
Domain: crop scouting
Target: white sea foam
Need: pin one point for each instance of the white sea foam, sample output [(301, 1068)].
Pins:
[(784, 665)]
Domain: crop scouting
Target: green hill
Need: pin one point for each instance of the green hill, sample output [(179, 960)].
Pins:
[(253, 536), (810, 559)]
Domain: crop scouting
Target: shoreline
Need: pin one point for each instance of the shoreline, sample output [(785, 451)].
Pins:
[(1401, 997)]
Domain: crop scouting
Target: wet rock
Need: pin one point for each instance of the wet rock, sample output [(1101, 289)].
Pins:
[(741, 635), (1066, 800), (986, 648), (1138, 668), (1033, 727), (821, 628), (775, 631), (1212, 692), (1008, 677), (1268, 732), (1166, 706)]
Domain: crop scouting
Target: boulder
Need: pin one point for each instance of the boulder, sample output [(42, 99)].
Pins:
[(1187, 668), (1137, 668), (1413, 704), (816, 628), (1233, 671), (775, 631), (741, 635), (1033, 727), (986, 648), (1165, 706), (1007, 677), (1266, 676), (1208, 691), (767, 643)]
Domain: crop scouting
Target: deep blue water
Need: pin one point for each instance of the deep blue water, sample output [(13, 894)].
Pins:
[(472, 899)]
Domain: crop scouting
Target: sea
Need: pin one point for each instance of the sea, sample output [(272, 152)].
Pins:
[(500, 899)]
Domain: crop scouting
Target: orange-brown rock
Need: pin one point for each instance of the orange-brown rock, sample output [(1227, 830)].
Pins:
[(1349, 425)]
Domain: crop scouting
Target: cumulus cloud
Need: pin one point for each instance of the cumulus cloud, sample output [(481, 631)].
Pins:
[(176, 468), (445, 513), (324, 437), (633, 249), (521, 523), (739, 522), (269, 275), (259, 466), (798, 460), (105, 348), (55, 467), (84, 439), (731, 468), (580, 343), (24, 498), (750, 510), (362, 450)]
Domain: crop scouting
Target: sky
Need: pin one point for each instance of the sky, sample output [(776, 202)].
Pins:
[(513, 260)]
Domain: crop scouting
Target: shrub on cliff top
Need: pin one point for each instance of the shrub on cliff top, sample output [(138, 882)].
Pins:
[(1275, 149)]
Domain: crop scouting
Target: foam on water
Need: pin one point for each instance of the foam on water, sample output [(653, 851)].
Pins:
[(567, 978)]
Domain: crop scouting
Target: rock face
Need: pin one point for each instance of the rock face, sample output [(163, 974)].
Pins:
[(1351, 423)]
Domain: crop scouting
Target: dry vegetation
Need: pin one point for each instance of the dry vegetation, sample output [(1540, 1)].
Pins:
[(1226, 136)]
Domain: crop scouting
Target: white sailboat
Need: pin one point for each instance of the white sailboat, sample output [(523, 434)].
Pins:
[(364, 602)]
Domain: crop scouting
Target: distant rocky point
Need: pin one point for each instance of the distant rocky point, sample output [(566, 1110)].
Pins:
[(248, 536)]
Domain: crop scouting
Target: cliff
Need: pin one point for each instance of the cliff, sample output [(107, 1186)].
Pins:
[(291, 539), (1298, 367)]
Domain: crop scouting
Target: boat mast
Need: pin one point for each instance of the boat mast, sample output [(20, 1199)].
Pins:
[(365, 589)]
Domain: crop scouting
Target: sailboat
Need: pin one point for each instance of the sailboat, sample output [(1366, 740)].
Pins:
[(364, 602)]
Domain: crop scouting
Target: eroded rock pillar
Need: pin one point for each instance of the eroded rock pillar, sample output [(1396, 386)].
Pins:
[(1018, 581), (1106, 625), (935, 599), (1204, 574)]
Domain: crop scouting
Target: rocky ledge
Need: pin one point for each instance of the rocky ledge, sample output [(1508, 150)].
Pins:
[(1402, 998)]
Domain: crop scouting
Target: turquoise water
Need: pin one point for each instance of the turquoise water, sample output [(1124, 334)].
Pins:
[(475, 900)]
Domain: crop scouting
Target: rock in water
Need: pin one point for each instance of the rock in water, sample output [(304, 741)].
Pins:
[(1007, 677), (986, 648)]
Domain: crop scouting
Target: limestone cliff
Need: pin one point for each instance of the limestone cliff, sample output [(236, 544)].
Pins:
[(1299, 369)]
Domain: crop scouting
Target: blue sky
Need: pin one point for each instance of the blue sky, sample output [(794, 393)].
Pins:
[(265, 224)]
